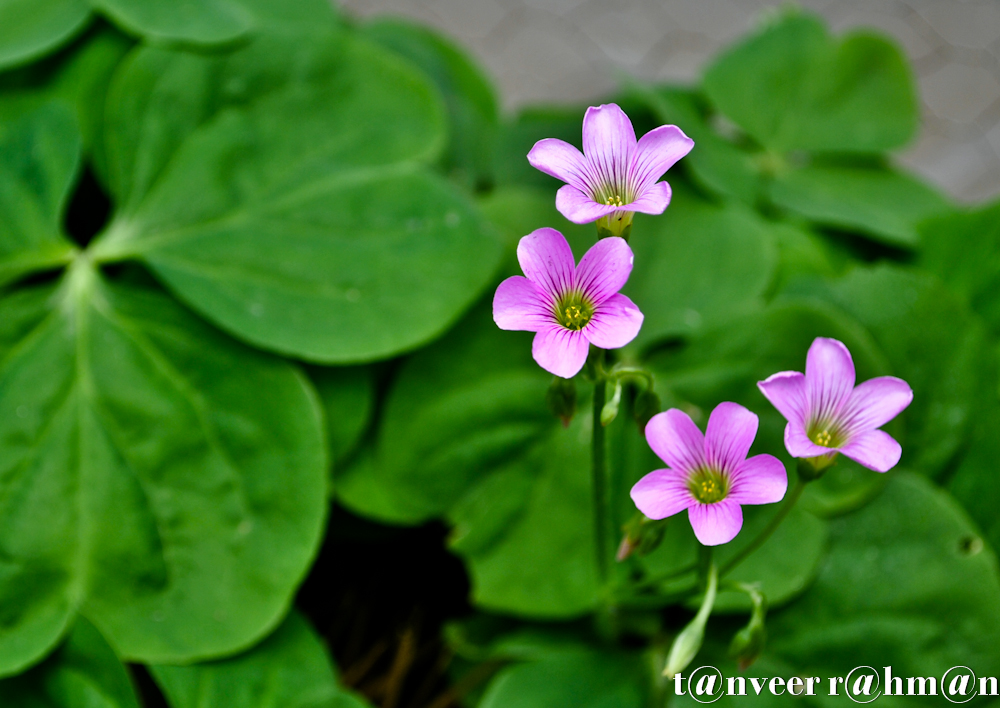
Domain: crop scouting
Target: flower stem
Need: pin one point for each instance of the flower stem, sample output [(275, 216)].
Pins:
[(765, 534), (599, 480)]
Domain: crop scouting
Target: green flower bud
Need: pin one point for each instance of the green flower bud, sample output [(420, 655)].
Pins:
[(610, 410), (561, 399), (748, 643), (642, 536), (688, 643)]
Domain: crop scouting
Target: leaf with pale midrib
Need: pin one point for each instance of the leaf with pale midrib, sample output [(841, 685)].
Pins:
[(156, 476)]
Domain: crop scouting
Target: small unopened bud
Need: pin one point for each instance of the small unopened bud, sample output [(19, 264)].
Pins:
[(748, 643), (688, 643), (561, 399), (647, 404), (642, 536), (610, 410)]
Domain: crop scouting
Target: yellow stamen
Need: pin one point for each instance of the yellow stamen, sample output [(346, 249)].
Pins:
[(614, 201)]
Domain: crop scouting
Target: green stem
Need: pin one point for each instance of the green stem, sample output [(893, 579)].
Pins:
[(765, 534), (599, 471)]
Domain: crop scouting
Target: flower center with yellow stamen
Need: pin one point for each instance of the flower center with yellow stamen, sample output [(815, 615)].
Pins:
[(614, 201), (573, 311), (708, 486), (825, 435)]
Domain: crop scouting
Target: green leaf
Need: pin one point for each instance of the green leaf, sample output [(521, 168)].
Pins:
[(902, 587), (289, 669), (697, 264), (348, 396), (932, 342), (84, 671), (579, 679), (30, 28), (792, 86), (881, 204), (78, 76), (203, 22), (963, 249), (726, 362), (158, 478), (325, 242), (467, 90), (466, 434), (39, 159)]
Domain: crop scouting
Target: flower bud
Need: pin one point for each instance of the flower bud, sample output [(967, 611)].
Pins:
[(642, 536), (647, 404), (748, 643), (688, 643), (561, 399), (610, 410)]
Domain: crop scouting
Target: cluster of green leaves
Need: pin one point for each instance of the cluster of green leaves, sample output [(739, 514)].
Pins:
[(292, 189)]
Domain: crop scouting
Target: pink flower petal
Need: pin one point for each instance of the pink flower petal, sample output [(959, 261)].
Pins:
[(786, 391), (759, 480), (798, 443), (716, 523), (519, 304), (616, 322), (608, 143), (676, 440), (547, 260), (604, 269), (829, 377), (579, 207), (653, 200), (875, 402), (560, 351), (560, 160), (656, 152), (876, 450), (729, 435), (662, 493)]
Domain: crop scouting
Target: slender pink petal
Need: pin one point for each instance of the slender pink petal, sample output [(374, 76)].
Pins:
[(729, 435), (560, 160), (616, 322), (578, 207), (798, 443), (560, 351), (676, 440), (652, 200), (519, 304), (656, 152), (609, 143), (786, 391), (875, 449), (547, 260), (604, 269), (875, 402), (829, 377), (662, 493), (716, 523), (759, 480)]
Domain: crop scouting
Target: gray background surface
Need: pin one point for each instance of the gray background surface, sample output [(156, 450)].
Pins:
[(572, 50)]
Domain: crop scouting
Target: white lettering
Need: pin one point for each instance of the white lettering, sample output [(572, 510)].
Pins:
[(961, 688), (678, 687), (890, 682), (775, 684), (992, 684), (701, 689), (911, 682), (810, 688), (732, 686), (793, 683), (758, 687), (866, 689)]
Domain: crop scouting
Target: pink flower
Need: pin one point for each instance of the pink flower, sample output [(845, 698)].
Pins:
[(570, 306), (709, 475), (827, 413), (615, 176)]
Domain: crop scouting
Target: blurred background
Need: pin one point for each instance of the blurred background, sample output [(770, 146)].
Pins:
[(564, 51)]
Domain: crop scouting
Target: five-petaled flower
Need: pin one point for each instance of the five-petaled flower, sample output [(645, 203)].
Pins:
[(569, 306), (615, 176), (709, 475), (828, 414)]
